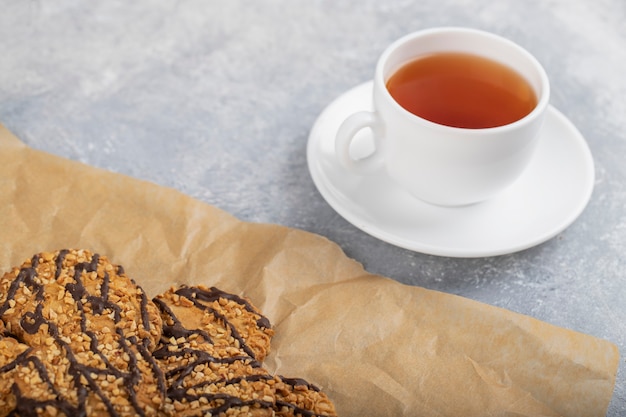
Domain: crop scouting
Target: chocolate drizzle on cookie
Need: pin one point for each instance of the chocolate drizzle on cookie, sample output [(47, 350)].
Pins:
[(176, 347), (214, 294), (28, 406), (200, 296), (197, 321), (80, 338), (85, 377)]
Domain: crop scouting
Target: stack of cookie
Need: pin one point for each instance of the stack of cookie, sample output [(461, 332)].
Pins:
[(78, 337)]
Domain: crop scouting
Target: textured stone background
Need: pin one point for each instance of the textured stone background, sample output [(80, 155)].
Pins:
[(216, 99)]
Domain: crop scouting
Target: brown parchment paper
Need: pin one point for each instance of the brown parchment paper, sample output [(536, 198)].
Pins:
[(377, 347)]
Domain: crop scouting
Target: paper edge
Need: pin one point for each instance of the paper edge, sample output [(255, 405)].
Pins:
[(9, 138)]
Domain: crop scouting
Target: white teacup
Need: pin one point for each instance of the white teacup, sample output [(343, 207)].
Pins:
[(437, 163)]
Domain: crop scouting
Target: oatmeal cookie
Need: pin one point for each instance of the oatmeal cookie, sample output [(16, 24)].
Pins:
[(89, 332)]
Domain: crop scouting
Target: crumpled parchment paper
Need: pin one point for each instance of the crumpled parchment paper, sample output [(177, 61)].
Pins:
[(377, 347)]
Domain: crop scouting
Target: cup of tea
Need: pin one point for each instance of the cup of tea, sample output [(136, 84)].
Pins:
[(456, 115)]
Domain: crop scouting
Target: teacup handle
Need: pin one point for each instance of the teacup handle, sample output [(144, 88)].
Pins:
[(346, 133)]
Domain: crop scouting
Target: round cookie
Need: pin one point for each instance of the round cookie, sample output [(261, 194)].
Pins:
[(45, 382), (74, 291), (89, 331), (208, 365), (210, 352)]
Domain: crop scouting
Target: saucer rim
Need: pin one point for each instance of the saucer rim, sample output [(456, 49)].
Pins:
[(324, 186)]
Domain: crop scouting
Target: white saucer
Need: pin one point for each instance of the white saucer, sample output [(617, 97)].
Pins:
[(546, 199)]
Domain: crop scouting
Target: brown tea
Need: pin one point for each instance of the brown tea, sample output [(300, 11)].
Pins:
[(462, 90)]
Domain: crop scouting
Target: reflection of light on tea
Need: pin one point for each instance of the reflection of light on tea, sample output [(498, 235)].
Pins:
[(462, 90)]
